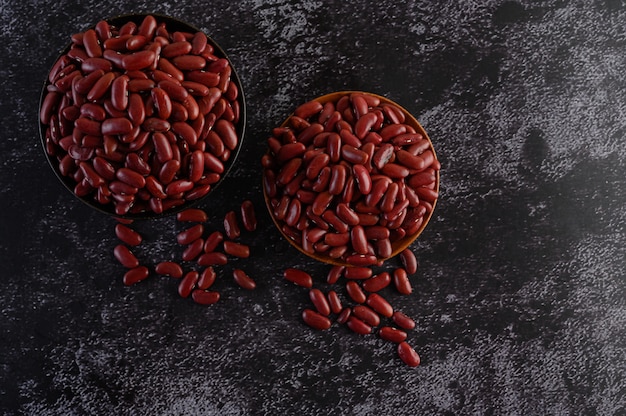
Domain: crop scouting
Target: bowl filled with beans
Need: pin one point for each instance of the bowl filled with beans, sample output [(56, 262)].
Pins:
[(141, 116), (350, 178)]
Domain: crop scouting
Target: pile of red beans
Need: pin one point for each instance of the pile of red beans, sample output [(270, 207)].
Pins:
[(204, 251), (348, 179), (140, 118), (364, 310)]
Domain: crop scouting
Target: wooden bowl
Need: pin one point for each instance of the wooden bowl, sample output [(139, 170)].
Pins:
[(397, 246)]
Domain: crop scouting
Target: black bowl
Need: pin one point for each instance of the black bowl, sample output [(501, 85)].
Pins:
[(69, 183)]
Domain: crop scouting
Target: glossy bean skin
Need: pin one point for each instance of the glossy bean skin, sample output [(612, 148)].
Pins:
[(128, 235), (169, 268), (403, 321), (125, 257), (401, 281), (236, 249), (243, 280), (248, 216), (205, 297), (298, 277), (408, 355), (135, 275), (315, 320), (392, 334), (231, 225), (320, 301), (379, 304)]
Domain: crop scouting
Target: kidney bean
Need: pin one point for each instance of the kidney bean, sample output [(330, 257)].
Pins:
[(401, 281), (409, 261), (377, 282), (366, 314), (188, 283), (236, 249), (298, 277), (248, 216), (128, 235), (231, 225), (243, 280), (358, 326), (169, 268), (320, 302), (357, 273), (192, 215), (190, 234), (355, 292), (363, 179), (135, 275), (207, 278), (379, 304), (193, 250), (125, 257), (403, 321), (408, 355), (205, 297), (315, 320), (212, 241), (384, 248), (212, 259), (361, 259), (392, 334), (334, 302)]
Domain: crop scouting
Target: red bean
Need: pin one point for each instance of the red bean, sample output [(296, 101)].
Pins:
[(298, 277), (248, 216), (334, 302), (205, 297), (408, 355), (207, 278), (136, 275), (127, 235), (169, 268), (358, 326), (190, 234), (379, 304), (319, 301), (212, 241), (243, 280), (403, 321), (193, 250), (212, 259), (188, 283), (392, 334), (357, 273), (378, 282), (236, 249), (366, 314), (408, 261), (315, 320), (401, 281), (355, 292), (125, 256), (334, 274), (231, 225), (192, 215)]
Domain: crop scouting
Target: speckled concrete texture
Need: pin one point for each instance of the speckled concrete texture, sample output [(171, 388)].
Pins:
[(520, 296)]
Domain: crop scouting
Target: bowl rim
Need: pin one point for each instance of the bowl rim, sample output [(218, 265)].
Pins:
[(400, 244), (240, 126)]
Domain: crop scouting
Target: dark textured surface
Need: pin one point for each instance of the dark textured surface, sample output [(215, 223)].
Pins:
[(520, 296)]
